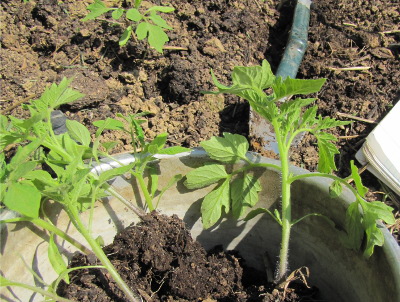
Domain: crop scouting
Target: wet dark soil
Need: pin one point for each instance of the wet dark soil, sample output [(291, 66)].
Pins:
[(161, 262)]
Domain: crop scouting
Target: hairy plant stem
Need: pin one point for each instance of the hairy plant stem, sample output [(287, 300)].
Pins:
[(98, 251), (286, 205)]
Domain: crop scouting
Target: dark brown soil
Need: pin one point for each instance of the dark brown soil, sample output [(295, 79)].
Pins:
[(161, 262)]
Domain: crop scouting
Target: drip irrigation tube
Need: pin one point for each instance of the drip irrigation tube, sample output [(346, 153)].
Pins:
[(261, 129)]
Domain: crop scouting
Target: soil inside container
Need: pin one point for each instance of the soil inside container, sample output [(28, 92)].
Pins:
[(159, 259)]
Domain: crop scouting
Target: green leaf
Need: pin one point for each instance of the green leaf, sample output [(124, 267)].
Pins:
[(326, 152), (174, 150), (357, 180), (109, 174), (163, 9), (156, 144), (125, 36), (353, 226), (227, 149), (142, 30), (157, 37), (55, 258), (134, 15), (374, 234), (327, 123), (57, 95), (23, 153), (244, 193), (289, 87), (335, 189), (78, 132), (109, 145), (308, 117), (41, 176), (96, 9), (24, 198), (258, 77), (159, 21), (116, 14), (205, 176), (109, 124), (214, 203), (22, 169)]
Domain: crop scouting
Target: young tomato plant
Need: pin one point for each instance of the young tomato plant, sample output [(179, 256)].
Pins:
[(29, 191), (148, 24), (238, 190)]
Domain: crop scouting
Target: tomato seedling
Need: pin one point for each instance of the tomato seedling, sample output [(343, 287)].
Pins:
[(148, 24), (238, 190)]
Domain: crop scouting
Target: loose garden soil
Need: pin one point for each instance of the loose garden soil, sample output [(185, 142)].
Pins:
[(161, 262), (354, 44)]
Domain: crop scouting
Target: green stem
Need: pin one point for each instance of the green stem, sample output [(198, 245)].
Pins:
[(286, 205), (143, 187), (98, 251), (51, 228), (316, 174), (43, 292)]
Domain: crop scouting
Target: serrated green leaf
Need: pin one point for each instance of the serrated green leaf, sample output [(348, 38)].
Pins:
[(78, 132), (96, 9), (374, 234), (116, 14), (335, 189), (354, 226), (327, 123), (255, 77), (294, 105), (159, 21), (357, 179), (57, 95), (24, 198), (125, 36), (55, 258), (244, 193), (134, 15), (157, 37), (205, 176), (326, 152), (214, 203), (163, 9), (380, 211), (174, 150), (288, 87), (227, 149), (308, 117)]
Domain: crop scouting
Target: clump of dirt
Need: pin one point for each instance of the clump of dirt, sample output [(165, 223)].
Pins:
[(160, 261)]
